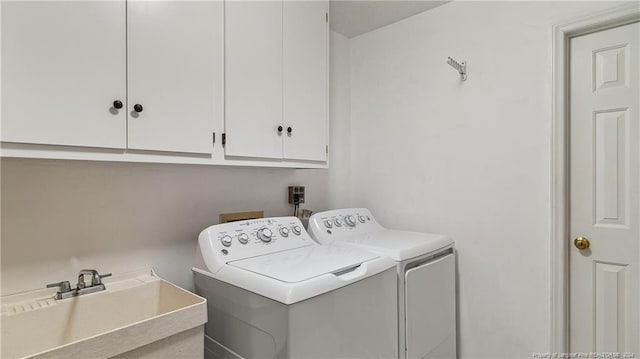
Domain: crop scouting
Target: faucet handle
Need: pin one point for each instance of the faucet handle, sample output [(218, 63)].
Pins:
[(96, 278), (99, 277), (64, 286)]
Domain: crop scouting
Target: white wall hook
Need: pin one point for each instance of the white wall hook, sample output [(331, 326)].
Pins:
[(460, 67)]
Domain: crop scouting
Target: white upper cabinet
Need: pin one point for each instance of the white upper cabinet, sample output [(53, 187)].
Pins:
[(65, 64), (181, 81), (253, 78), (276, 79), (63, 67), (306, 70), (175, 54)]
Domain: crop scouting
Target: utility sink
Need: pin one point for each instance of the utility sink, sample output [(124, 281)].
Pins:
[(138, 315)]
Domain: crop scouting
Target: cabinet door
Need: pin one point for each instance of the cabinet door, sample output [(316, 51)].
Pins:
[(306, 79), (253, 78), (63, 66), (175, 74)]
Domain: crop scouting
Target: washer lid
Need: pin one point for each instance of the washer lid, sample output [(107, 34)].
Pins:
[(300, 264), (398, 245)]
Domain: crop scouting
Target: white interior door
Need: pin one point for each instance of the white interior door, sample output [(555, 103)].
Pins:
[(253, 78), (175, 73), (306, 74), (63, 67), (605, 158)]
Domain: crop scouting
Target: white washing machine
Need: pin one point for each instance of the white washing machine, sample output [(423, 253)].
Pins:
[(273, 292), (425, 274)]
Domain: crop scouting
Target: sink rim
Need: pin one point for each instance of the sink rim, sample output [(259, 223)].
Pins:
[(145, 277)]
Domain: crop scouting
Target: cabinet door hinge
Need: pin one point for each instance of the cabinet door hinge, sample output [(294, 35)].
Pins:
[(224, 139), (326, 16), (213, 138), (326, 150)]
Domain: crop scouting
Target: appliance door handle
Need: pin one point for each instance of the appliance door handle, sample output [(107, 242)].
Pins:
[(351, 273)]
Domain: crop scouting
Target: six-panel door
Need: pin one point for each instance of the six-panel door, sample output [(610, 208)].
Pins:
[(604, 191)]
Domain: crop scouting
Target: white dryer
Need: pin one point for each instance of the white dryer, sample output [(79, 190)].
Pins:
[(425, 273), (273, 292)]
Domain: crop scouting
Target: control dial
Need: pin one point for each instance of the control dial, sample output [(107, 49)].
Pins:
[(328, 224), (265, 235), (243, 238), (361, 219), (337, 222), (284, 231), (350, 220), (226, 240), (297, 230)]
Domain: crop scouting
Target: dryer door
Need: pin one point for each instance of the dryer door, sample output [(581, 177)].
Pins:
[(430, 309)]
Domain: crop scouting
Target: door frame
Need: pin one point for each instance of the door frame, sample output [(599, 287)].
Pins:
[(562, 34)]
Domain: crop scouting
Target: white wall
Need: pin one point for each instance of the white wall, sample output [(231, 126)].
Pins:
[(469, 159), (340, 136), (62, 216)]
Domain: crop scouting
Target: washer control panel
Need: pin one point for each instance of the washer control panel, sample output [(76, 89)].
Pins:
[(325, 226), (250, 238)]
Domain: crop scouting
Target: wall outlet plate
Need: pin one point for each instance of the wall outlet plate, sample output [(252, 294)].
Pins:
[(296, 192)]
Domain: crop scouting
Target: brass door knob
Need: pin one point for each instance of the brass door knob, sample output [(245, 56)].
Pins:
[(581, 243)]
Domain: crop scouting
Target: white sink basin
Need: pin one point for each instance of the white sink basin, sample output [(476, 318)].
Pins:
[(134, 311)]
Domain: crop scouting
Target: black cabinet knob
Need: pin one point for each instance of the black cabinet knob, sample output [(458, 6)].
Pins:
[(279, 129), (289, 130), (138, 107), (117, 104)]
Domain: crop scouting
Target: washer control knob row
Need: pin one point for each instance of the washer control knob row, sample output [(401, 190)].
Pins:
[(226, 240), (297, 230), (361, 219), (265, 234), (284, 231), (350, 220), (243, 238)]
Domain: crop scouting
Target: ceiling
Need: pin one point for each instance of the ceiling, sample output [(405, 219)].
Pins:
[(355, 17)]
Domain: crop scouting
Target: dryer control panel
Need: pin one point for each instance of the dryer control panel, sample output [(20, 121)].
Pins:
[(350, 221), (249, 238)]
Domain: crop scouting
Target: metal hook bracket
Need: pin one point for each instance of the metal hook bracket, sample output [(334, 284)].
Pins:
[(461, 67)]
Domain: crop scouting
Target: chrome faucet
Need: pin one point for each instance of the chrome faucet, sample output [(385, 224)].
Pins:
[(65, 289), (81, 288), (96, 278)]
